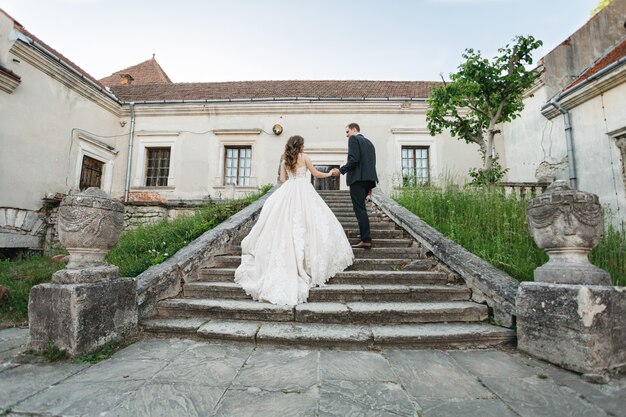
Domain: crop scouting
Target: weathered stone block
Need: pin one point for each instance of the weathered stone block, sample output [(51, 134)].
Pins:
[(577, 327), (81, 318)]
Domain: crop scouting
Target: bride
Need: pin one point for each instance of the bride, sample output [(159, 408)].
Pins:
[(297, 242)]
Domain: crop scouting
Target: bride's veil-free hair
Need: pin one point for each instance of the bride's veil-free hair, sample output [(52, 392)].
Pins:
[(292, 149)]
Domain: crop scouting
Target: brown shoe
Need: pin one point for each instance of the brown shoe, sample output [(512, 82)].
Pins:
[(364, 245)]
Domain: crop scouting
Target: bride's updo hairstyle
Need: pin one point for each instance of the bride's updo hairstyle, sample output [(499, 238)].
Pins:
[(292, 149)]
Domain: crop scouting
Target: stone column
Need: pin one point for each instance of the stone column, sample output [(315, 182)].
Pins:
[(571, 315), (87, 304)]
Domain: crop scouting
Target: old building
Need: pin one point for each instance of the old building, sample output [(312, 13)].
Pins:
[(140, 137), (574, 125)]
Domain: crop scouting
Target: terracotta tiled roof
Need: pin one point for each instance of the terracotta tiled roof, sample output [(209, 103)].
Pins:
[(615, 54), (148, 72), (53, 51), (275, 89)]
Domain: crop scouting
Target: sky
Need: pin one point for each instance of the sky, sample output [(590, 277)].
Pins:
[(235, 40)]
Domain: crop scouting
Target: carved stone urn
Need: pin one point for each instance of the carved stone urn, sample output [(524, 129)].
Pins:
[(567, 223), (89, 225)]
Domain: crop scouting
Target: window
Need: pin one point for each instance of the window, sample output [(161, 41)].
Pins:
[(237, 165), (415, 165), (91, 173), (157, 167)]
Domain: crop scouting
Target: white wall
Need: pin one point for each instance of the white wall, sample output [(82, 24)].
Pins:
[(196, 135), (39, 151)]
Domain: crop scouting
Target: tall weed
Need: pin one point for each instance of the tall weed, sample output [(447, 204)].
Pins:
[(494, 227)]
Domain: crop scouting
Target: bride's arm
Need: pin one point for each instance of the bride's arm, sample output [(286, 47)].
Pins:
[(314, 171), (283, 173)]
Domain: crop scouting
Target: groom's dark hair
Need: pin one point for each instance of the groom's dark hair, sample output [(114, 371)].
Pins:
[(354, 126)]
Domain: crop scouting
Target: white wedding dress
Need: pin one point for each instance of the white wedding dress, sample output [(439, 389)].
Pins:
[(297, 243)]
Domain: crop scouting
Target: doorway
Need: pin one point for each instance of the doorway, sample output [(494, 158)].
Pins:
[(330, 183)]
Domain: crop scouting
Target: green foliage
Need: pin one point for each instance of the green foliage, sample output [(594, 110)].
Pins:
[(53, 353), (139, 249), (104, 353), (19, 277), (610, 254), (601, 5), (494, 227), (484, 177), (483, 94), (136, 251)]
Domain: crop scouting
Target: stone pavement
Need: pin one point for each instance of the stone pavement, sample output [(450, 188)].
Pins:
[(178, 377)]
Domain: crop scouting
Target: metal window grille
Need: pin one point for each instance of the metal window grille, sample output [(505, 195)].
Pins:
[(157, 167), (237, 165), (91, 173), (415, 165)]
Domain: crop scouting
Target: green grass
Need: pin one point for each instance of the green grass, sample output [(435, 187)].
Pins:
[(139, 249), (135, 252), (105, 352), (494, 227), (19, 277)]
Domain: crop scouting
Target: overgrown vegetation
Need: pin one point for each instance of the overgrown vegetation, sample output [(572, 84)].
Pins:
[(19, 277), (494, 227), (105, 352), (141, 248), (135, 252)]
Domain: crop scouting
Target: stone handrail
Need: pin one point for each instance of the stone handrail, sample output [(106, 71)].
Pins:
[(488, 284), (524, 189), (165, 279)]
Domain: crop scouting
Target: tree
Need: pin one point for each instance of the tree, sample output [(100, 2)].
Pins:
[(601, 5), (481, 95)]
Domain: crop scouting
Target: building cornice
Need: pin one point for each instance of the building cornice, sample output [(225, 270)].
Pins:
[(8, 81), (587, 92), (29, 54), (276, 107)]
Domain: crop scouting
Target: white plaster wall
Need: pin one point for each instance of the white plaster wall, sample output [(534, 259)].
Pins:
[(38, 149), (598, 160), (531, 140), (198, 150)]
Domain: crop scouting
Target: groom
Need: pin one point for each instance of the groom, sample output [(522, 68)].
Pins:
[(361, 178)]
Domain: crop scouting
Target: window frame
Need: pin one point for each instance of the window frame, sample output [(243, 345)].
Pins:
[(158, 168), (414, 153), (100, 164), (225, 160)]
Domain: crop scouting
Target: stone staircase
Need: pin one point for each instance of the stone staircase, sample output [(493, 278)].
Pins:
[(392, 295)]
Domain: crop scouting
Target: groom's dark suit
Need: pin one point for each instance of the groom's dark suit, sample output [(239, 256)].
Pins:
[(360, 170)]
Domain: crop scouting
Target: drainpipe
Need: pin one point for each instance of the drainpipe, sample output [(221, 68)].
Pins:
[(571, 162), (131, 138)]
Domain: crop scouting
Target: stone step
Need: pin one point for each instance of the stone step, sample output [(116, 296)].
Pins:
[(325, 312), (341, 293), (406, 253), (389, 278), (343, 216), (379, 225), (346, 277), (387, 243), (440, 336), (373, 264), (376, 233), (388, 253)]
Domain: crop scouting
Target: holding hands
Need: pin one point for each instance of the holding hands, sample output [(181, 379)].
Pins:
[(334, 172)]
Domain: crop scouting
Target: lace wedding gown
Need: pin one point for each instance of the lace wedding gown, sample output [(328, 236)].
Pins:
[(297, 243)]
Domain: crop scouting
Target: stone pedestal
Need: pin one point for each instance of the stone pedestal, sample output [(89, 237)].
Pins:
[(87, 304), (571, 316), (81, 318), (577, 327)]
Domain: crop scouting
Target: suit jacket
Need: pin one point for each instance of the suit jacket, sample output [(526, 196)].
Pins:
[(361, 164)]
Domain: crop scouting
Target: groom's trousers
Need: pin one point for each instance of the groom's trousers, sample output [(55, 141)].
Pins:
[(358, 193)]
